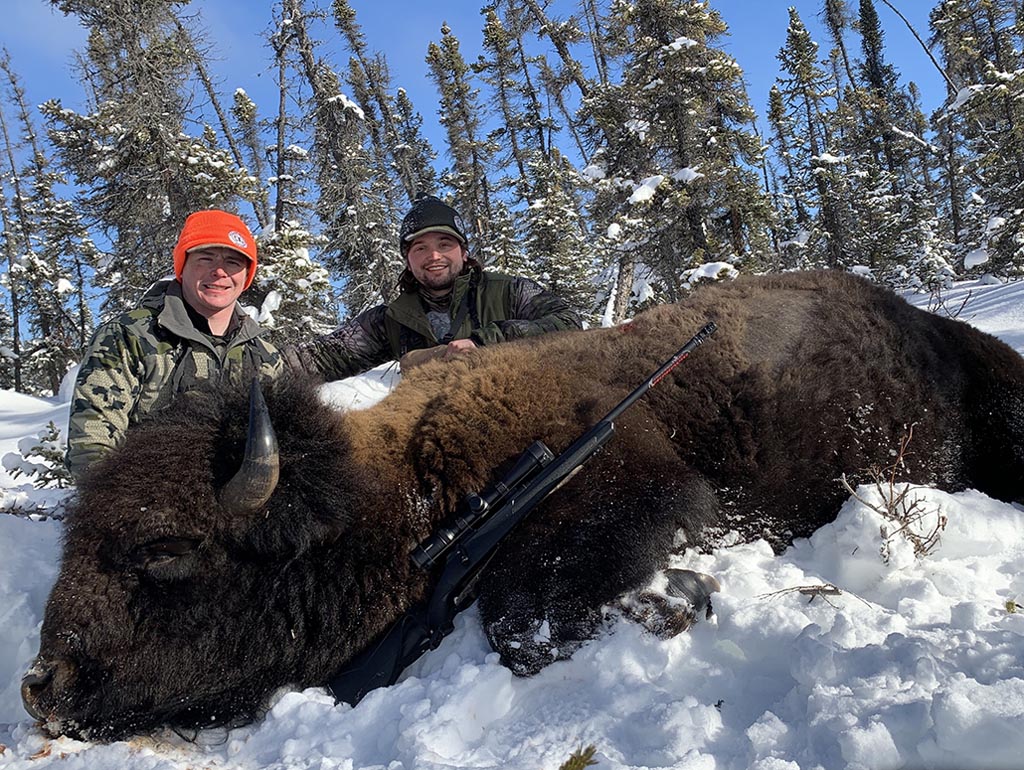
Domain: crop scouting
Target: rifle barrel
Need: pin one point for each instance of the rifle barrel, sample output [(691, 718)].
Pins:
[(681, 355)]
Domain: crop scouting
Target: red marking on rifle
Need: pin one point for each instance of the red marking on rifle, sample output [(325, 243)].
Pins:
[(672, 366)]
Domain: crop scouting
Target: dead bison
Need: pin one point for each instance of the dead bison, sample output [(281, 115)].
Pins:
[(174, 607)]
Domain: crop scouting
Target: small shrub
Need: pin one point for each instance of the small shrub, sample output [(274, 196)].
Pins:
[(939, 304), (903, 509), (41, 459)]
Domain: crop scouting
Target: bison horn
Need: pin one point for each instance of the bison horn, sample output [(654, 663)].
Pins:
[(253, 483)]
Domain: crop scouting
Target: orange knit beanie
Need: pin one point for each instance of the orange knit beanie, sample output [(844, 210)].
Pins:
[(215, 228)]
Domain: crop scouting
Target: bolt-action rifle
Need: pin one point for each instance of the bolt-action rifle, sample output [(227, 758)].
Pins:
[(471, 539)]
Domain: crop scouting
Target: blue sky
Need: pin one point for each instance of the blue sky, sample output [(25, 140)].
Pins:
[(41, 42)]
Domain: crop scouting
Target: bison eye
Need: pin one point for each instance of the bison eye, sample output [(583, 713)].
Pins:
[(162, 558)]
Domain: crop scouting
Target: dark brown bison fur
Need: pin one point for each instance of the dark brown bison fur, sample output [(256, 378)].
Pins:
[(171, 610)]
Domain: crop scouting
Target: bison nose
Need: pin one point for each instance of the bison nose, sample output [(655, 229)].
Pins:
[(33, 685)]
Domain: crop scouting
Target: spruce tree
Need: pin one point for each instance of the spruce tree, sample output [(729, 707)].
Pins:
[(52, 252), (984, 121), (8, 357), (896, 214), (295, 285), (538, 181), (413, 153), (676, 166), (140, 171), (12, 279), (400, 153), (555, 236), (468, 149), (516, 109), (249, 128), (793, 202), (802, 105)]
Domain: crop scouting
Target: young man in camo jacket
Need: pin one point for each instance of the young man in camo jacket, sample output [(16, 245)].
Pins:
[(184, 332), (448, 305)]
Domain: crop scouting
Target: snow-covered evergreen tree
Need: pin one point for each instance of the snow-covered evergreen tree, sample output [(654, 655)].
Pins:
[(806, 93), (887, 179), (50, 254), (546, 239), (141, 167), (249, 129), (675, 172), (292, 294), (793, 202), (980, 45), (400, 153), (352, 202), (413, 153), (555, 237), (470, 153)]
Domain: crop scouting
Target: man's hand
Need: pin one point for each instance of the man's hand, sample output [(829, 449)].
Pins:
[(453, 349), (458, 347)]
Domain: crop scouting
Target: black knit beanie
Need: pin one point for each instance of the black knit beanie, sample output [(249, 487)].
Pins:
[(429, 215)]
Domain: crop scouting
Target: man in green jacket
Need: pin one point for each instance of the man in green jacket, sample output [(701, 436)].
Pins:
[(184, 332), (448, 304)]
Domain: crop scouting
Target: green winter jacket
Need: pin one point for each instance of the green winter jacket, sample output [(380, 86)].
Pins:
[(140, 361), (499, 307)]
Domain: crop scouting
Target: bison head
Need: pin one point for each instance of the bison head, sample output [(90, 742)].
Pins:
[(184, 595)]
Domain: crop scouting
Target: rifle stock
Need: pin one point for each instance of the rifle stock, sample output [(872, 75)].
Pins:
[(473, 538)]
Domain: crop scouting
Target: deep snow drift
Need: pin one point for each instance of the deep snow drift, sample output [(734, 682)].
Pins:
[(912, 662)]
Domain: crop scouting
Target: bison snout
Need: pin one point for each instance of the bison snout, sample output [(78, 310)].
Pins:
[(34, 685)]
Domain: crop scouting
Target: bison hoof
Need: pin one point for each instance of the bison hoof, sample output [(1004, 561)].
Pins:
[(529, 647), (695, 587), (687, 597)]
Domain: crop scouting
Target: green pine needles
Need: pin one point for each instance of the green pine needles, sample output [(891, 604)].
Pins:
[(580, 759)]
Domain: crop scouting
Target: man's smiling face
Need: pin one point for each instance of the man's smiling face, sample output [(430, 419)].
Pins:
[(435, 260), (213, 278)]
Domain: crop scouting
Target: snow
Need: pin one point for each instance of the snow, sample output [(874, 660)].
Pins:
[(348, 104), (964, 95), (799, 240), (265, 314), (679, 44), (638, 127), (644, 191), (975, 257), (829, 159), (899, 662), (994, 223), (710, 271), (687, 175)]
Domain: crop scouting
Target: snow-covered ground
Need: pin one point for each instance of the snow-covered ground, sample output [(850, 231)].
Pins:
[(911, 663)]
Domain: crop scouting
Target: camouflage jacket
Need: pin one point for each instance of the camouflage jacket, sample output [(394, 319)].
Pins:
[(140, 361), (499, 308)]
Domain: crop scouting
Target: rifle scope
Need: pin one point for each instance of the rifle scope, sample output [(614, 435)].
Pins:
[(475, 506)]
